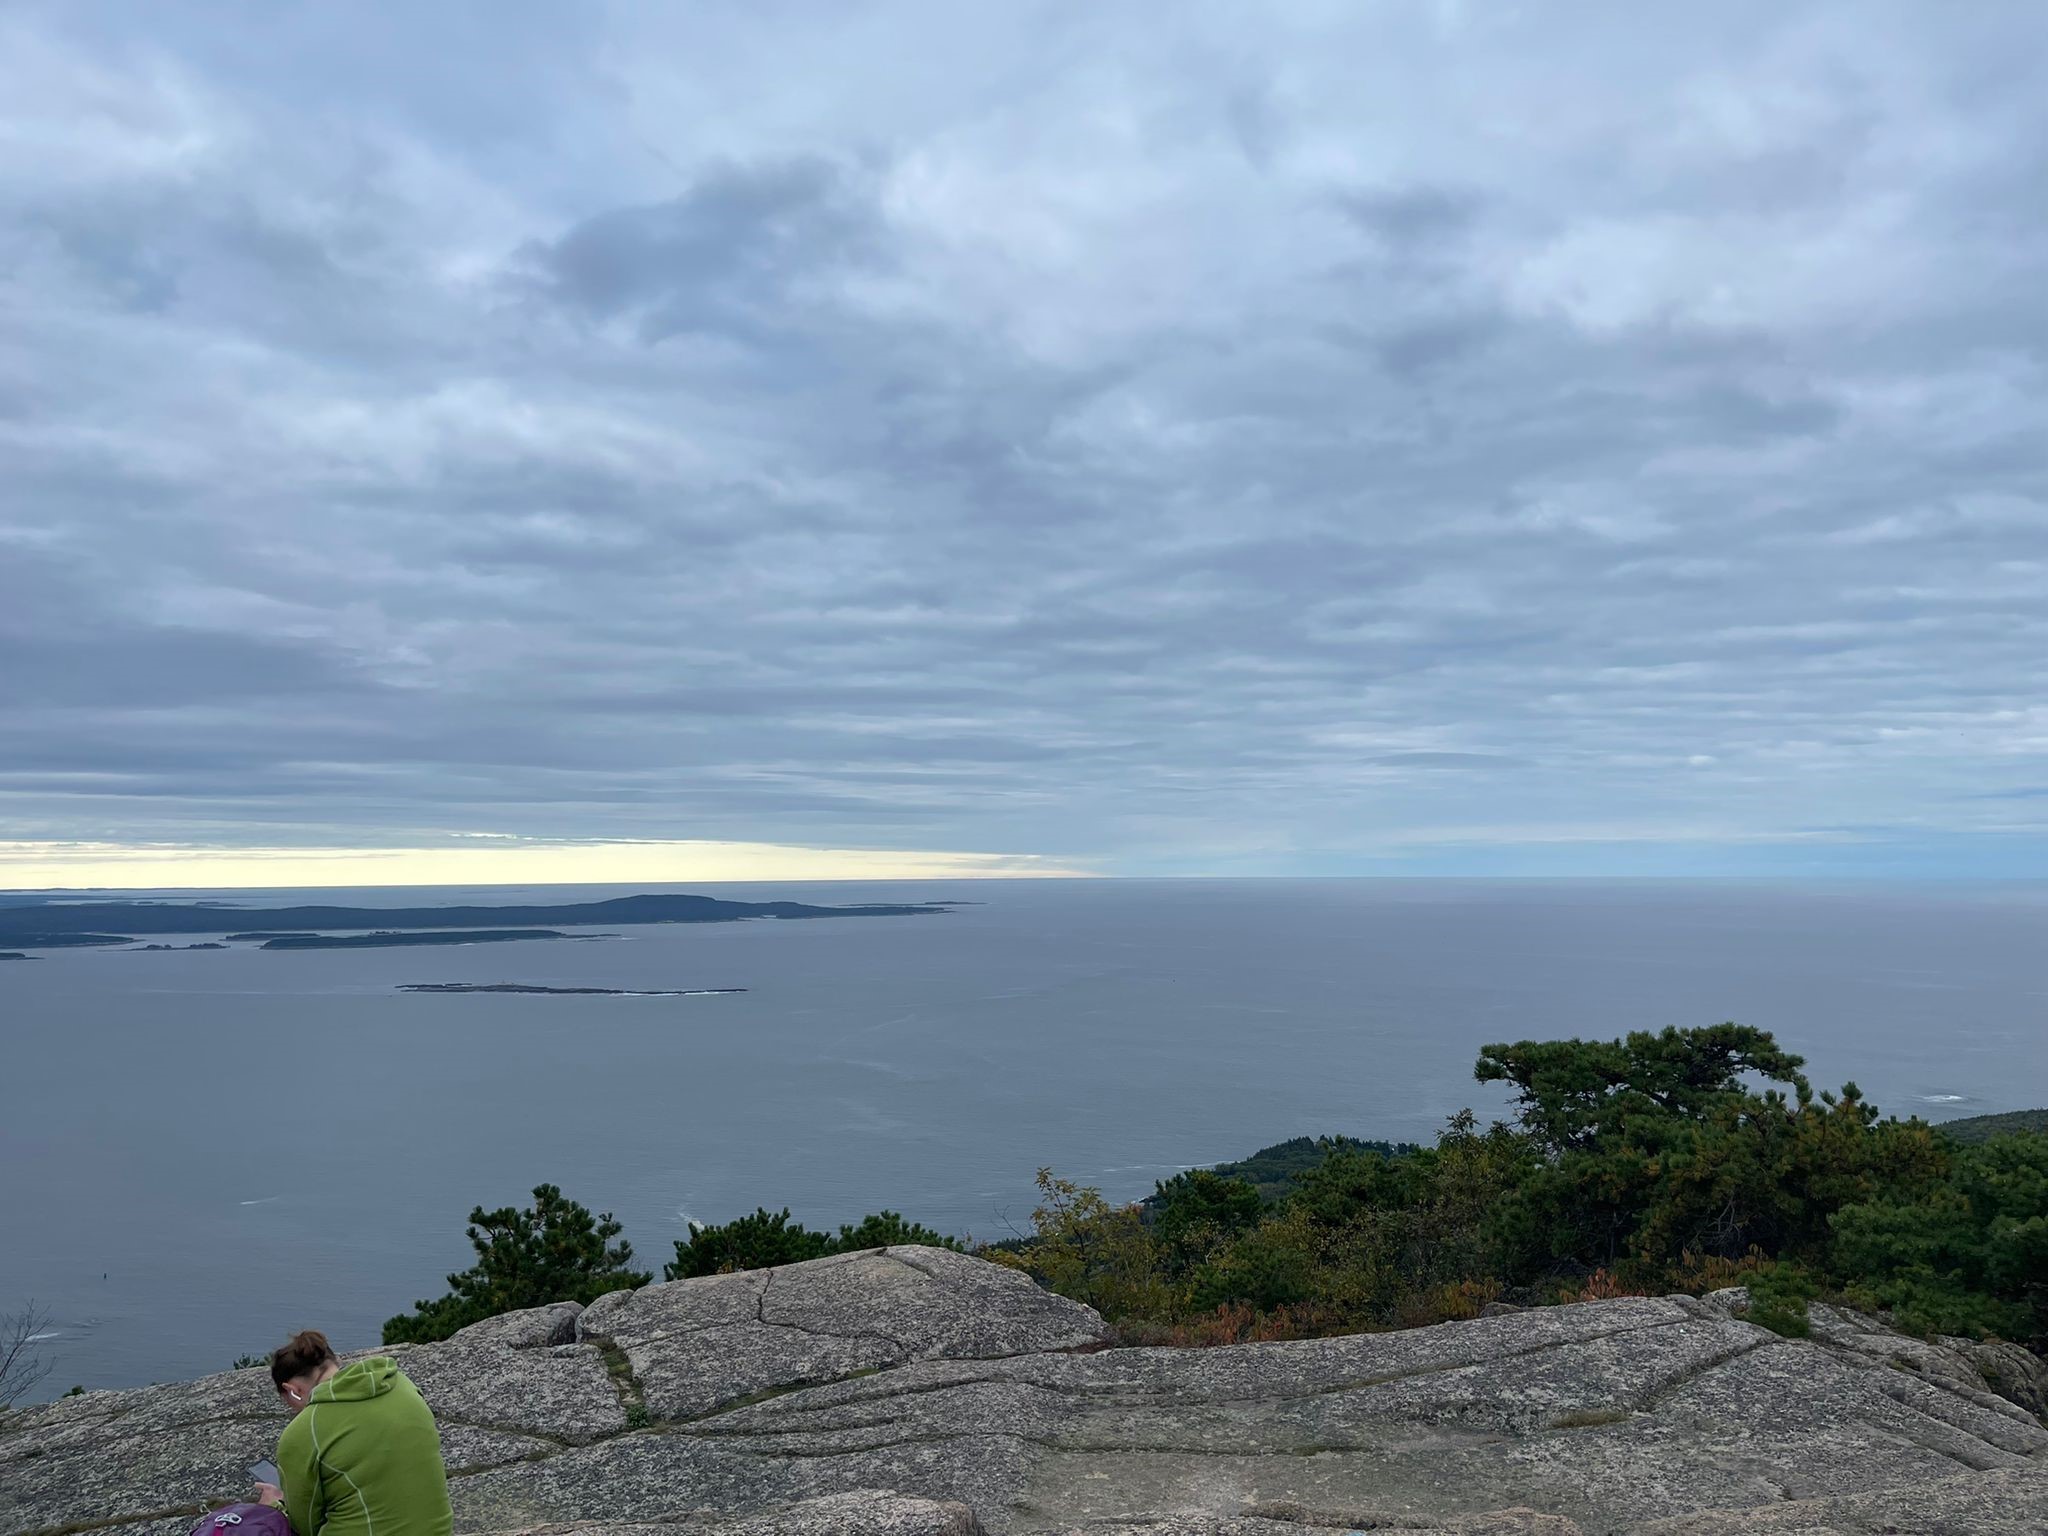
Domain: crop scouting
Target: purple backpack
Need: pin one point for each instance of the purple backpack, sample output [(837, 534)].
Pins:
[(243, 1520)]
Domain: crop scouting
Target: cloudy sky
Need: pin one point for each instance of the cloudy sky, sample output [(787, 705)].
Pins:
[(1287, 439)]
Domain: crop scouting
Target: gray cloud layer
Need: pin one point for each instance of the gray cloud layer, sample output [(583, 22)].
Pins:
[(1365, 437)]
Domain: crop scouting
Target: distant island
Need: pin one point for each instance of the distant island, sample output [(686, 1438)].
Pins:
[(52, 924), (143, 949), (523, 988), (14, 954), (385, 939)]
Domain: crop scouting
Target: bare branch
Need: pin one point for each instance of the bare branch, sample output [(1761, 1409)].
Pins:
[(1003, 1215), (21, 1362)]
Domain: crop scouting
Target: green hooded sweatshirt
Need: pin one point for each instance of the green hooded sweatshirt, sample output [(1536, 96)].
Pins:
[(363, 1458)]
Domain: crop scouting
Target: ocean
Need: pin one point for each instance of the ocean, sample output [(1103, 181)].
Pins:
[(203, 1151)]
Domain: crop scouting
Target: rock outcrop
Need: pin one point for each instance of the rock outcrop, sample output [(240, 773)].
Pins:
[(915, 1392), (695, 1346)]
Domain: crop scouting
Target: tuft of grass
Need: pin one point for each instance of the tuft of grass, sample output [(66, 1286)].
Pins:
[(631, 1397)]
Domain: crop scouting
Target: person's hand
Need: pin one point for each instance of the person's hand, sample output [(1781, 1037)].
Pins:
[(270, 1493)]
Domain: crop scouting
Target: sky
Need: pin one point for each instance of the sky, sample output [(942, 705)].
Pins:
[(760, 440)]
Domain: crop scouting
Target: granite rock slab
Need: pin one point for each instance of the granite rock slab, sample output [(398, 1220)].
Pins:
[(923, 1393), (698, 1345)]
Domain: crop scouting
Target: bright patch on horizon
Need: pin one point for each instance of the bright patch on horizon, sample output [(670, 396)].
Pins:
[(495, 861)]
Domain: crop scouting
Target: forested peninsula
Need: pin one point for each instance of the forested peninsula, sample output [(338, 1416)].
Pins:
[(61, 923)]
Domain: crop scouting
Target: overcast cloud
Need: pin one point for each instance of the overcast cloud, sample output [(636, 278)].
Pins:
[(1301, 438)]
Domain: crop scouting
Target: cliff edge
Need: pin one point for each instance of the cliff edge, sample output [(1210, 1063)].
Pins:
[(915, 1392)]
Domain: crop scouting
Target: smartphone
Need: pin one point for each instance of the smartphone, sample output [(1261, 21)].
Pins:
[(266, 1472)]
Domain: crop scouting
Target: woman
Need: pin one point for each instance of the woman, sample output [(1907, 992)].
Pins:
[(361, 1456)]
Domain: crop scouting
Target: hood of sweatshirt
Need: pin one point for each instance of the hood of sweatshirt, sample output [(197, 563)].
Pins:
[(365, 1379)]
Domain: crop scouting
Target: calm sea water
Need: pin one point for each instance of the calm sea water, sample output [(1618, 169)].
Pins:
[(200, 1152)]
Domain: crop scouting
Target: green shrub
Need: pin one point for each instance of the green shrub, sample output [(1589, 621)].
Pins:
[(767, 1238), (555, 1250), (1677, 1160), (1101, 1254), (1265, 1269), (886, 1229), (1195, 1213), (1968, 1256), (1778, 1298), (1655, 1148), (760, 1241)]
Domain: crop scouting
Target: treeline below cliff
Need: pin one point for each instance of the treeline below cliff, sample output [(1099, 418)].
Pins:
[(1684, 1161)]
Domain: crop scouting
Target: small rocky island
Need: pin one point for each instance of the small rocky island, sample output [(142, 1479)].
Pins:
[(386, 939), (918, 1392), (523, 989)]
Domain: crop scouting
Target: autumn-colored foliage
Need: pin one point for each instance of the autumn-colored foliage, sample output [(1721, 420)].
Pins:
[(1635, 1167)]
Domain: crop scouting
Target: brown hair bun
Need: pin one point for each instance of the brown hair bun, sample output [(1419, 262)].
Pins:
[(304, 1354)]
